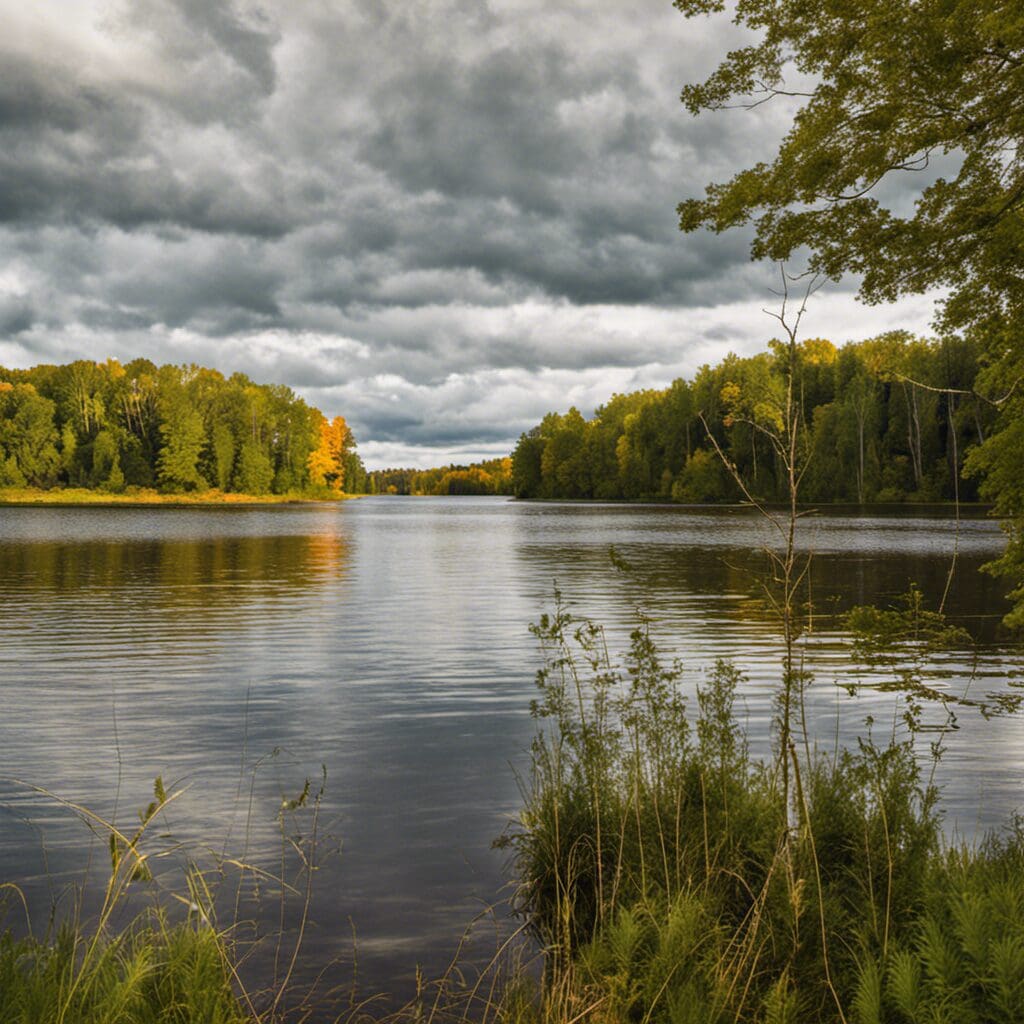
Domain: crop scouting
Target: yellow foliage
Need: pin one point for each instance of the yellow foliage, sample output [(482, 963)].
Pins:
[(730, 394), (770, 414), (327, 461), (818, 352)]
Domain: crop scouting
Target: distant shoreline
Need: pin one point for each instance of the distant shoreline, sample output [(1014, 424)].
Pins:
[(82, 497), (967, 508), (146, 497)]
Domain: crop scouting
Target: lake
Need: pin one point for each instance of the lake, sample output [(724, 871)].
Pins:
[(234, 651)]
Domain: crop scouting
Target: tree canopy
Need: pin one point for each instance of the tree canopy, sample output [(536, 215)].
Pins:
[(494, 476), (881, 420), (893, 85)]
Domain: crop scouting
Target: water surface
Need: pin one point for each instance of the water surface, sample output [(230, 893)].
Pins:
[(234, 651)]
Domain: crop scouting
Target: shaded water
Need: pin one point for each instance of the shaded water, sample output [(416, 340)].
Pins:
[(387, 640)]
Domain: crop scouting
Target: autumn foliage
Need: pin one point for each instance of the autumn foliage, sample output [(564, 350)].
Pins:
[(180, 429), (327, 461)]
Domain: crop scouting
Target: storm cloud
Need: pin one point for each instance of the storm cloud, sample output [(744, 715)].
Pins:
[(440, 219)]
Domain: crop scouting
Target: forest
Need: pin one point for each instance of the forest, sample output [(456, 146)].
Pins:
[(494, 476), (889, 419), (113, 428)]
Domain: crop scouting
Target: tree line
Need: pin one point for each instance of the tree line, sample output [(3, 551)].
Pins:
[(493, 476), (110, 427), (892, 418)]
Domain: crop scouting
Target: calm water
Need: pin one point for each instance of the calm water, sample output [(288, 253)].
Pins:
[(234, 651)]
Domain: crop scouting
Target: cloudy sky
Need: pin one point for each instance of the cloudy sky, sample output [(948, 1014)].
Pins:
[(441, 218)]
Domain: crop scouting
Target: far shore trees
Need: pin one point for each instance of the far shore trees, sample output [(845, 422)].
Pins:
[(110, 427), (881, 424)]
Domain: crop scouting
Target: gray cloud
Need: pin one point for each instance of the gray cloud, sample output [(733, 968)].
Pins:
[(420, 215)]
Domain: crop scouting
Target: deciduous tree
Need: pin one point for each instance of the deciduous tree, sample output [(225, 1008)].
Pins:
[(327, 461)]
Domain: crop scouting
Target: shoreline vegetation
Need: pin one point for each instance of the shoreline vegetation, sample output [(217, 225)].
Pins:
[(887, 420), (177, 430), (144, 497), (82, 497), (670, 878)]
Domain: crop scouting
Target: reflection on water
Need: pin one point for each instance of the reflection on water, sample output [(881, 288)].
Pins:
[(386, 639)]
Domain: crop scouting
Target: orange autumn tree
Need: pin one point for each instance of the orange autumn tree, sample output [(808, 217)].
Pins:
[(327, 461)]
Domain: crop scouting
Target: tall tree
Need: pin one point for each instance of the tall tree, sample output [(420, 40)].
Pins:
[(106, 462), (891, 86), (327, 460), (28, 437), (182, 433), (255, 472)]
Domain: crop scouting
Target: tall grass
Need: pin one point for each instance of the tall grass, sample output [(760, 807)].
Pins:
[(151, 971), (173, 960), (660, 869)]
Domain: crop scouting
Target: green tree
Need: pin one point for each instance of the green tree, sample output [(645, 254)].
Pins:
[(78, 390), (826, 478), (28, 437), (255, 472), (702, 479), (183, 439), (894, 85), (223, 455), (527, 457), (998, 462), (182, 433), (678, 428), (68, 446), (106, 463), (606, 453), (356, 478), (858, 393), (564, 463)]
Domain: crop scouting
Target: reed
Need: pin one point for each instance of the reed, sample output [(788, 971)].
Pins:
[(151, 971), (656, 871)]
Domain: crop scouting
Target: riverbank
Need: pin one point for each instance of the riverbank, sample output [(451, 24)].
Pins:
[(144, 496), (672, 877), (967, 509)]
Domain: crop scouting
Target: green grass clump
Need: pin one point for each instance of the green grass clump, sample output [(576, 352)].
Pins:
[(962, 958), (126, 965), (666, 878), (150, 972)]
